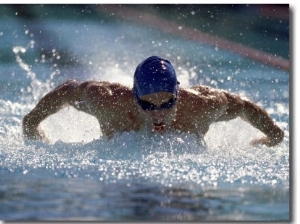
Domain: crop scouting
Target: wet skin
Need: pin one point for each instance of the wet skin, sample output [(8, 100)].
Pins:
[(117, 110)]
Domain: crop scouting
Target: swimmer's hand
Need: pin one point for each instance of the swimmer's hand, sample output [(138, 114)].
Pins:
[(32, 132), (261, 141), (273, 140)]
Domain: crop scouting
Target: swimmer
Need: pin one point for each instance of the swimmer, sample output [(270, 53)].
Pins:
[(156, 103)]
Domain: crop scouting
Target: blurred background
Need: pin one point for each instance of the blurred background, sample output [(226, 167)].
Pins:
[(262, 27)]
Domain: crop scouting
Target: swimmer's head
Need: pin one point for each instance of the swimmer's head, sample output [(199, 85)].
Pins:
[(154, 75)]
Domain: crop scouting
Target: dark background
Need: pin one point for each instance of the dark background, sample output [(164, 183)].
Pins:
[(264, 27)]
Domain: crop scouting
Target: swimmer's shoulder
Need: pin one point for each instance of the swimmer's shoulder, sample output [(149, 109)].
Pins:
[(205, 90), (200, 91), (108, 89), (103, 94), (203, 95)]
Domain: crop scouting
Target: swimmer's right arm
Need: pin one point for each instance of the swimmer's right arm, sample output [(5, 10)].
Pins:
[(256, 116), (48, 105)]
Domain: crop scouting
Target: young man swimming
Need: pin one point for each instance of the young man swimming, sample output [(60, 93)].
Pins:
[(156, 103)]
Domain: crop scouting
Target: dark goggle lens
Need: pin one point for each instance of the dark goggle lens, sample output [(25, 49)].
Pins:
[(149, 106)]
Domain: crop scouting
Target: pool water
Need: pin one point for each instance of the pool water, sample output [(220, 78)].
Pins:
[(82, 176)]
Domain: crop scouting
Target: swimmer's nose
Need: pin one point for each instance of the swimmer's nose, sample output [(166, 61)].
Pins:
[(158, 115)]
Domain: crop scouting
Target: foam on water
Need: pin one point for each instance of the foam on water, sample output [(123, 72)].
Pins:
[(173, 159)]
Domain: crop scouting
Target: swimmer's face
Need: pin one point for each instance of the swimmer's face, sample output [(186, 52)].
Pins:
[(158, 110)]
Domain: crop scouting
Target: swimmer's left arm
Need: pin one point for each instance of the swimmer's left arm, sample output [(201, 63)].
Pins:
[(49, 104), (256, 116)]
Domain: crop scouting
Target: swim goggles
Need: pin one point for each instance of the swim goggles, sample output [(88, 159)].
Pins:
[(149, 106)]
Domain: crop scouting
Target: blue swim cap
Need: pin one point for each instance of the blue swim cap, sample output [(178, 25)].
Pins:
[(154, 75)]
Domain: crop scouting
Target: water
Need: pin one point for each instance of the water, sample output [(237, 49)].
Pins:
[(82, 176)]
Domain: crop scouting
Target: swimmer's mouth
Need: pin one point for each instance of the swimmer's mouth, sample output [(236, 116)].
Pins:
[(160, 127)]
